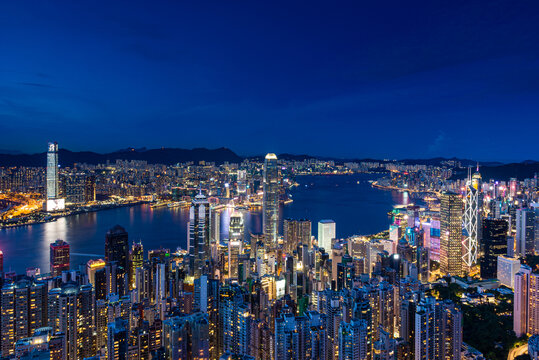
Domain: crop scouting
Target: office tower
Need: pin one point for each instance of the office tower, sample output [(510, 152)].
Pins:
[(198, 234), (234, 252), (1, 263), (117, 247), (506, 270), (326, 234), (493, 244), (423, 263), (242, 184), (136, 261), (236, 227), (438, 330), (117, 343), (353, 340), (296, 233), (525, 235), (53, 190), (59, 257), (270, 200), (70, 311), (187, 337), (451, 234), (526, 302), (23, 311), (207, 301), (472, 218), (215, 226)]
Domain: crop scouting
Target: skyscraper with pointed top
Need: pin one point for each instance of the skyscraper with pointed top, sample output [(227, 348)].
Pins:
[(472, 218)]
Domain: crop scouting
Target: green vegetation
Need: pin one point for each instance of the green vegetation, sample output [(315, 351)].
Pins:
[(532, 261), (489, 328)]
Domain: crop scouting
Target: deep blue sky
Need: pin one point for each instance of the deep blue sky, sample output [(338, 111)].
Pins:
[(379, 79)]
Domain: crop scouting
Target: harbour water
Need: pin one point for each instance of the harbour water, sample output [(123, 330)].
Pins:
[(356, 207)]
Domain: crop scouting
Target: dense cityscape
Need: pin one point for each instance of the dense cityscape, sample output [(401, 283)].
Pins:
[(269, 180), (462, 256)]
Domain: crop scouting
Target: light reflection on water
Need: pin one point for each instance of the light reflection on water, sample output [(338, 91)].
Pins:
[(356, 208)]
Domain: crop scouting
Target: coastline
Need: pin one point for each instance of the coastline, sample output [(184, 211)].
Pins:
[(52, 217)]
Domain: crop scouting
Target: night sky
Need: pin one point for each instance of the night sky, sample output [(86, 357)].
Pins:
[(383, 79)]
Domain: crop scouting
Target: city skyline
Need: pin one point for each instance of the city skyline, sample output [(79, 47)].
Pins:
[(369, 78)]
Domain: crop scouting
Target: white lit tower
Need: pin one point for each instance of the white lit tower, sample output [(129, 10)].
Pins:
[(198, 234), (52, 200), (472, 218), (270, 201)]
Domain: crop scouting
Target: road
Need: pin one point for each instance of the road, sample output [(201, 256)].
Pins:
[(521, 350)]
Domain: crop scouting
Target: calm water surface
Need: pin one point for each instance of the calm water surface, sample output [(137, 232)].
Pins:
[(356, 207)]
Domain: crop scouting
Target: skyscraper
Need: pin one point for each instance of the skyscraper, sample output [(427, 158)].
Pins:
[(52, 200), (198, 234), (270, 201), (451, 234), (52, 171), (296, 233), (472, 218), (117, 247), (326, 234), (526, 302), (525, 226), (493, 244), (59, 257), (136, 261), (236, 228), (506, 270)]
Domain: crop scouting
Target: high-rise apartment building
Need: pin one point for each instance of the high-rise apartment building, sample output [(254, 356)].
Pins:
[(59, 257), (526, 302), (296, 233)]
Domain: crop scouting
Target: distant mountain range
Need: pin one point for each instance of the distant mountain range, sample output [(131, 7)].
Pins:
[(169, 156), (166, 156)]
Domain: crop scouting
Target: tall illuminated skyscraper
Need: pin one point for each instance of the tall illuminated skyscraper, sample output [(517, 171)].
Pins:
[(52, 200), (242, 184), (198, 234), (270, 201), (451, 234), (52, 171), (326, 234), (136, 258), (472, 219), (236, 227)]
